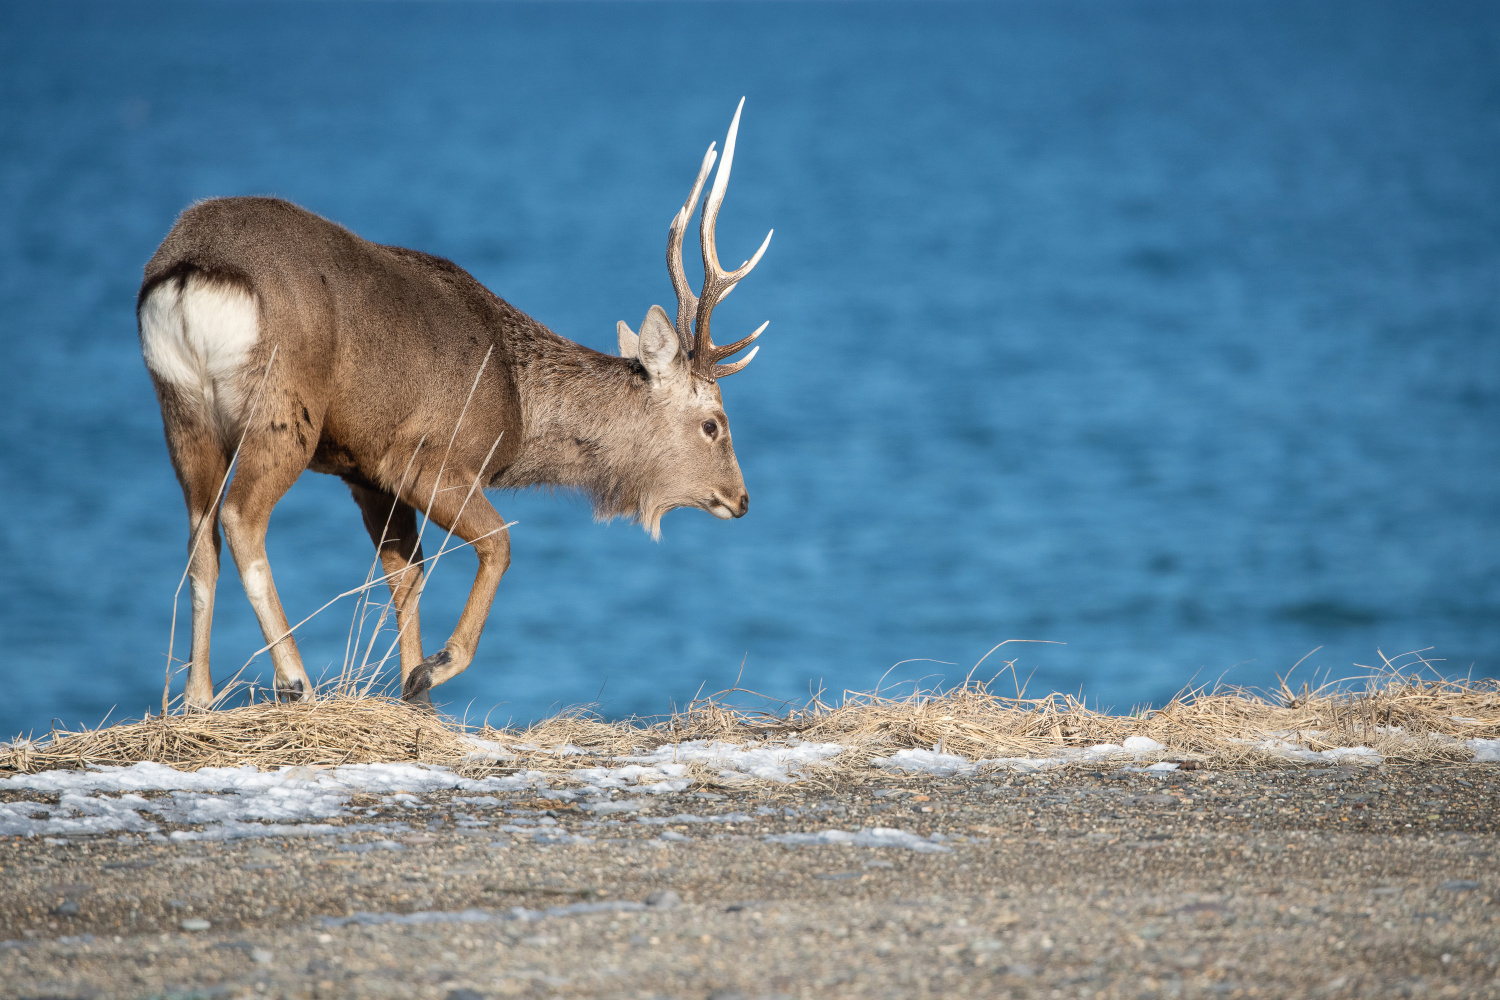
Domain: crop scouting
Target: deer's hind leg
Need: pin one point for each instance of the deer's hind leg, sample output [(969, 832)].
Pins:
[(270, 460), (201, 466), (392, 525)]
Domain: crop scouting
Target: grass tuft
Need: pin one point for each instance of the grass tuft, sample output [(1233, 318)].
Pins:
[(1408, 719)]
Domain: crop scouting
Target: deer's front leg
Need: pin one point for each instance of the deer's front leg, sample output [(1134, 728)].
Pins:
[(471, 518)]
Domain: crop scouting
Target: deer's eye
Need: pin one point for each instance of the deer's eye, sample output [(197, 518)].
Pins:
[(711, 429)]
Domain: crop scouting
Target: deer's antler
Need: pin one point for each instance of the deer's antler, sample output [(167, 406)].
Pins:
[(694, 311)]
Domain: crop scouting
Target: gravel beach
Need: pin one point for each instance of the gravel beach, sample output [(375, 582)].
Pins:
[(1350, 882)]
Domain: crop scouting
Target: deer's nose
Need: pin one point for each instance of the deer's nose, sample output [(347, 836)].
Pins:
[(744, 505)]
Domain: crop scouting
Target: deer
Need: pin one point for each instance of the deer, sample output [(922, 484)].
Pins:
[(278, 341)]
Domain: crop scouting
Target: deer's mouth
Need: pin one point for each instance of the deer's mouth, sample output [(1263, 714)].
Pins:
[(724, 510)]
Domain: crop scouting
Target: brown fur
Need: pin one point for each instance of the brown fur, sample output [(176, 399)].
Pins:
[(376, 350)]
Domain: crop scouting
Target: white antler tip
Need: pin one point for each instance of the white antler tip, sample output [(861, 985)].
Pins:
[(721, 178)]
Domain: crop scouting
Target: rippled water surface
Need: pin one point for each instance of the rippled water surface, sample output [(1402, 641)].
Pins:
[(1168, 331)]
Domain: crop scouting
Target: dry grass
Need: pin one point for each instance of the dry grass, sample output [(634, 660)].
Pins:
[(1408, 719), (326, 733), (1217, 728)]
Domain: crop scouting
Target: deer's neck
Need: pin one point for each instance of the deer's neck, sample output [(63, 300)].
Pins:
[(583, 414)]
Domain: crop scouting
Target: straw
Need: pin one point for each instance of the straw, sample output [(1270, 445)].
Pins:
[(1406, 718)]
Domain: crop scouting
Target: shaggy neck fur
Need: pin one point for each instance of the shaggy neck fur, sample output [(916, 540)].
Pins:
[(586, 422)]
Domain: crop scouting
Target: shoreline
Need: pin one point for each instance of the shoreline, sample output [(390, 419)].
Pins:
[(1317, 845), (1358, 881)]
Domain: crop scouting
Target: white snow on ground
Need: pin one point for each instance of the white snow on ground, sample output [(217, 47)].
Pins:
[(947, 764), (1485, 750), (1134, 748), (734, 817), (481, 916), (75, 813), (662, 769), (1296, 751), (662, 778), (238, 830), (781, 763), (286, 781), (231, 803), (880, 836)]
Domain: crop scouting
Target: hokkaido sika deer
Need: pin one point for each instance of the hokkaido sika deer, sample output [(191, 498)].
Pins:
[(280, 342)]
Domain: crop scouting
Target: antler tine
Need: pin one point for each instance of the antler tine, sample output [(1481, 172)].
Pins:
[(687, 302), (719, 371), (716, 353), (717, 283)]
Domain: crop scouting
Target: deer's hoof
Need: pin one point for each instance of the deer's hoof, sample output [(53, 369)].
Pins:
[(292, 691), (415, 690)]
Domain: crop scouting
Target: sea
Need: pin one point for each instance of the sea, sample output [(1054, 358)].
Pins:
[(1117, 348)]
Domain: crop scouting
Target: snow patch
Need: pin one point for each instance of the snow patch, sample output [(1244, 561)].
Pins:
[(947, 765), (663, 777), (782, 763), (734, 817), (1487, 751), (880, 836), (481, 916), (229, 802), (1296, 751)]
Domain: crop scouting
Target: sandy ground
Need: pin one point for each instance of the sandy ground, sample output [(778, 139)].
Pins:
[(1361, 882)]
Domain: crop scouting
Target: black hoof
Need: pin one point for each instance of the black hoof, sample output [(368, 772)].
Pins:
[(419, 682), (290, 692)]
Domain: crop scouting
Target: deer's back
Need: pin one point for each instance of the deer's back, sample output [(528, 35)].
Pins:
[(380, 344)]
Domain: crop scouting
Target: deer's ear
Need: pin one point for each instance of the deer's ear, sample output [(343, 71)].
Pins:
[(630, 344), (657, 345)]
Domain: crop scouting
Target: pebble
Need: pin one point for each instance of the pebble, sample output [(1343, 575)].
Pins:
[(663, 899), (196, 924)]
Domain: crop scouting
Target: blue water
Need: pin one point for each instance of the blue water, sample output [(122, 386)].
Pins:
[(1169, 331)]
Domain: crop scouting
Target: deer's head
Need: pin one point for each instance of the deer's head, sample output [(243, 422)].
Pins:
[(694, 458)]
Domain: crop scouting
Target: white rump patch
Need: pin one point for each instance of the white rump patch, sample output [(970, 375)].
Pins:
[(197, 339)]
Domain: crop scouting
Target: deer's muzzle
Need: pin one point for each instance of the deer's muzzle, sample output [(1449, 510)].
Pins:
[(725, 509)]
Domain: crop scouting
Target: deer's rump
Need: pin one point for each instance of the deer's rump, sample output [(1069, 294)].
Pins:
[(257, 316)]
